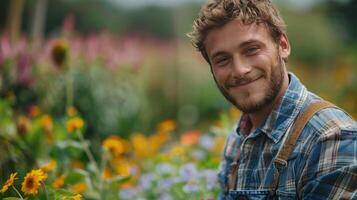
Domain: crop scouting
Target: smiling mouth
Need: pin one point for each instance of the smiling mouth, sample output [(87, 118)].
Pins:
[(243, 83)]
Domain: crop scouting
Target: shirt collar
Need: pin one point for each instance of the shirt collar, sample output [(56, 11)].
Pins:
[(282, 115)]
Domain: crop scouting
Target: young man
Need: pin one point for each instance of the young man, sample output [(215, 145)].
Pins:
[(247, 48)]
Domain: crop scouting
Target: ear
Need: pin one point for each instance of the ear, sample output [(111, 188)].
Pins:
[(284, 46)]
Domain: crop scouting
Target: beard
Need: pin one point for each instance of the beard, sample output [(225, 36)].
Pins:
[(274, 86)]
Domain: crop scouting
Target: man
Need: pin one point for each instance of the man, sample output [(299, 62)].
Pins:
[(247, 48)]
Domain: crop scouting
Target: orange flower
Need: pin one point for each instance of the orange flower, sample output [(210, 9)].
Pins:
[(71, 111), (74, 124), (23, 125), (107, 174), (79, 187), (114, 144), (50, 166), (8, 182), (166, 126), (33, 181), (77, 164), (34, 111), (190, 137), (58, 183), (47, 123)]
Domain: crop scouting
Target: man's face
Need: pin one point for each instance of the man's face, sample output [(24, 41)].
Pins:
[(247, 64)]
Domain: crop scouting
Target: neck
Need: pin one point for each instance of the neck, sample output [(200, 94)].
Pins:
[(258, 117)]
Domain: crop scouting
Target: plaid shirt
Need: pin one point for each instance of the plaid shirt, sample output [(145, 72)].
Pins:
[(323, 164)]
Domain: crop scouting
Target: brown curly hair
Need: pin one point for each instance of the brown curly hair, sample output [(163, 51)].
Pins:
[(217, 13)]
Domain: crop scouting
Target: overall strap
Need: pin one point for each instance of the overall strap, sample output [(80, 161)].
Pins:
[(289, 144)]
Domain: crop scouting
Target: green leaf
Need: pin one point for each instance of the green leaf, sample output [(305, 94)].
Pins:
[(11, 198)]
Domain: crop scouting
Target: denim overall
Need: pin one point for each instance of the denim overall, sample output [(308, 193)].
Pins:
[(280, 161)]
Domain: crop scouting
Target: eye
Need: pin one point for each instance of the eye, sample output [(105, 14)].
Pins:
[(252, 51), (221, 61)]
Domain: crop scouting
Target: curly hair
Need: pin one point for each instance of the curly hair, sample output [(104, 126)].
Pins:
[(217, 13)]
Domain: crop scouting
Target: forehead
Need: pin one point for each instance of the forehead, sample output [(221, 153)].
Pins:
[(233, 34)]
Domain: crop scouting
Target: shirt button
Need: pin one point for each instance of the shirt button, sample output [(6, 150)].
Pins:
[(242, 197)]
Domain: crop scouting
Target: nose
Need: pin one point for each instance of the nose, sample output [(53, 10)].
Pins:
[(240, 67)]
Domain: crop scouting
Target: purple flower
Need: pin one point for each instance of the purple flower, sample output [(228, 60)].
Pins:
[(188, 171), (198, 154), (146, 181), (128, 193), (190, 187), (211, 178), (165, 196), (206, 142), (164, 168)]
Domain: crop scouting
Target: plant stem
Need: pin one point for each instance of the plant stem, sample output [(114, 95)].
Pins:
[(44, 189), (87, 150), (18, 193)]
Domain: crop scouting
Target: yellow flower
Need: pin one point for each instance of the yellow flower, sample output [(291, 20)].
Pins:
[(8, 182), (74, 123), (167, 125), (79, 187), (71, 111), (123, 169), (33, 181), (77, 197), (114, 144), (139, 142), (218, 145), (58, 183), (177, 151), (50, 166)]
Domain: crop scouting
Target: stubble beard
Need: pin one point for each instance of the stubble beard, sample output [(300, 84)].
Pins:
[(275, 85)]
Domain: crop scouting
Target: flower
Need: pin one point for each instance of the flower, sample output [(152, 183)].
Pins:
[(59, 52), (74, 123), (71, 111), (50, 166), (166, 126), (114, 144), (47, 123), (23, 125), (107, 174), (34, 111), (190, 137), (77, 164), (77, 197), (58, 183), (79, 187), (8, 182), (32, 181)]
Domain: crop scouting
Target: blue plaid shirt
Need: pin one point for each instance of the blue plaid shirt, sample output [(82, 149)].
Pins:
[(323, 164)]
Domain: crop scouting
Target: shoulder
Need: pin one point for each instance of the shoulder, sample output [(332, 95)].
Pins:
[(332, 122)]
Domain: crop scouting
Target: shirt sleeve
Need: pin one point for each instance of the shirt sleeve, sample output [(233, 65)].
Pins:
[(331, 167)]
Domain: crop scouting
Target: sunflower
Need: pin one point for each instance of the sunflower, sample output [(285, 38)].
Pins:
[(8, 182), (33, 181)]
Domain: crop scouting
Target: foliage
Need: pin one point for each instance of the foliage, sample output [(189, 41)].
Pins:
[(61, 164)]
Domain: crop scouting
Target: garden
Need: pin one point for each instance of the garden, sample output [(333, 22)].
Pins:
[(131, 114)]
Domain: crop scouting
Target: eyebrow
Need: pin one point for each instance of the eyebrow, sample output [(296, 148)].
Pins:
[(242, 45)]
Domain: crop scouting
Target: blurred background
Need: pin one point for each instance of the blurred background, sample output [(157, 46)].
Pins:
[(126, 66), (133, 66)]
